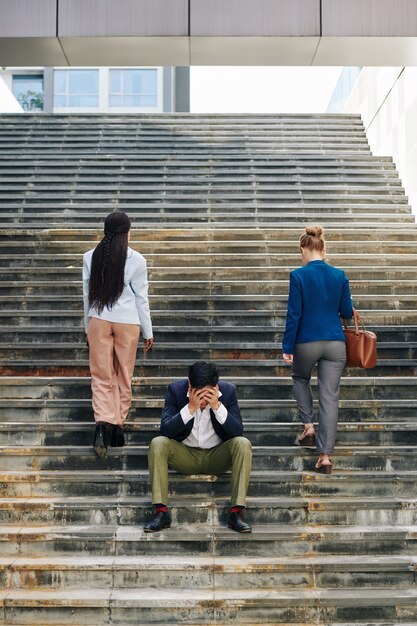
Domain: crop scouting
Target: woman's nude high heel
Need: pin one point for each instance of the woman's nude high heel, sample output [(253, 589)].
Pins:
[(307, 437), (323, 468)]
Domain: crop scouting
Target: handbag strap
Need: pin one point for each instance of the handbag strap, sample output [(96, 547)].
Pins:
[(356, 319)]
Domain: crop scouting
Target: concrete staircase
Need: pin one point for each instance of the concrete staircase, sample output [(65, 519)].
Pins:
[(218, 204)]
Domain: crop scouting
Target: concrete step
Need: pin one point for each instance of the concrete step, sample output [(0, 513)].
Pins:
[(78, 410), (64, 245), (257, 250), (213, 319), (178, 118), (224, 138), (228, 135), (217, 623), (279, 235), (187, 133), (104, 482), (183, 129), (203, 193), (229, 264), (226, 219), (292, 540), (215, 336), (79, 433), (194, 179), (378, 293), (33, 338), (211, 223), (249, 388), (71, 295), (165, 127), (204, 151), (274, 236), (353, 162), (135, 169), (220, 186), (189, 197), (123, 572), (379, 458), (264, 259), (192, 511), (290, 145), (30, 210), (69, 269), (280, 606), (68, 362), (179, 350), (206, 282)]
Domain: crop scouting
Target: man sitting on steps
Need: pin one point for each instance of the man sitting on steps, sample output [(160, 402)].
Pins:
[(201, 429)]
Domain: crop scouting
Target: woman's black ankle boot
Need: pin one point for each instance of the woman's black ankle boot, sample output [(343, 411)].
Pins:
[(100, 440), (117, 437)]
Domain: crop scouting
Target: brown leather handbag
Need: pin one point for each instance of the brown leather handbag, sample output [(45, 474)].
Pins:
[(360, 344)]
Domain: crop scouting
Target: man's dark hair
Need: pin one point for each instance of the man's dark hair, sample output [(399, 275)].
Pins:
[(202, 373)]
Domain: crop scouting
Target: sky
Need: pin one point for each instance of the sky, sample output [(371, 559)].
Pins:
[(262, 89)]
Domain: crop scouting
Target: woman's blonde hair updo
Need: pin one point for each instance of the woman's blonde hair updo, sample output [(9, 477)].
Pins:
[(313, 239)]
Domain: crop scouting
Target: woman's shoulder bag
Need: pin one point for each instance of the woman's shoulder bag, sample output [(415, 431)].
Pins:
[(360, 344)]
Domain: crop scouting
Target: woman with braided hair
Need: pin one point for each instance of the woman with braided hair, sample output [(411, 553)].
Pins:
[(116, 309)]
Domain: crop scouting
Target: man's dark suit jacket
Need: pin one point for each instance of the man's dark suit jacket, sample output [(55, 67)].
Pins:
[(172, 424)]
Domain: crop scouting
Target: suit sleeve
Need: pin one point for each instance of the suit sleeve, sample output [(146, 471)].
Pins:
[(233, 424), (294, 312), (346, 306), (172, 423)]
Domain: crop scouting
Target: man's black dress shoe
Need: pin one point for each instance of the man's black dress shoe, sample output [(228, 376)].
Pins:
[(117, 437), (236, 523), (159, 522), (100, 439)]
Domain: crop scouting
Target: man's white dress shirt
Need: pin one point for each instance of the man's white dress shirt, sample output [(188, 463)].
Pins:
[(203, 434)]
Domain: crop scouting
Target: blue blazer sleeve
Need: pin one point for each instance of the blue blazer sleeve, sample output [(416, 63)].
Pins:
[(294, 312), (172, 424), (346, 306), (233, 425)]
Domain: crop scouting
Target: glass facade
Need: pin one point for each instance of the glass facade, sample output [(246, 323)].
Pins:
[(95, 89), (28, 91), (133, 88), (76, 88), (343, 89)]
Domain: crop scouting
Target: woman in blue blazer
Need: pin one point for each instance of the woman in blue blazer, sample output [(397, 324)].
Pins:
[(319, 297)]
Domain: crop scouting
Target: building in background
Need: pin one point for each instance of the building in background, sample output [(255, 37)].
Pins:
[(344, 86), (386, 98), (95, 89)]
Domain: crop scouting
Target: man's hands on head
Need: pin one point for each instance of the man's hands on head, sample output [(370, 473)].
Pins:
[(206, 395), (195, 398), (212, 397)]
